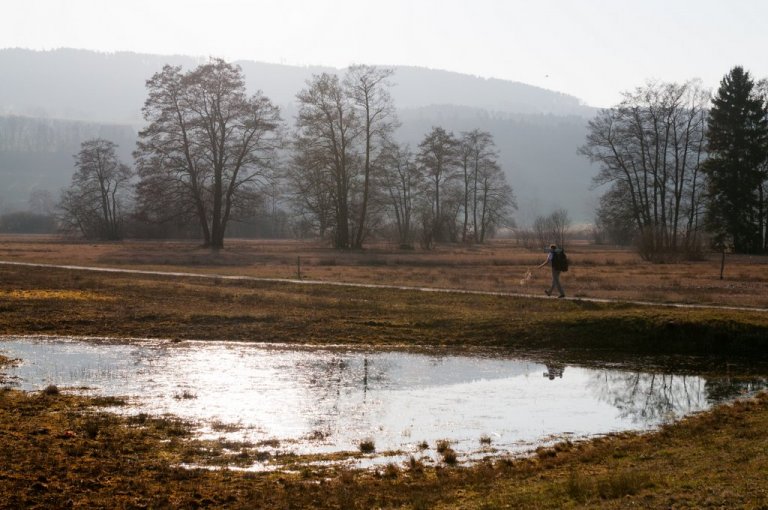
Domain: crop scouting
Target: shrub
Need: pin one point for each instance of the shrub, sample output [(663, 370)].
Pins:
[(51, 389), (442, 445), (367, 446), (449, 456), (91, 429)]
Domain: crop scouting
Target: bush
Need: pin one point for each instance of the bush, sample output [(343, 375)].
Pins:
[(51, 389), (367, 446)]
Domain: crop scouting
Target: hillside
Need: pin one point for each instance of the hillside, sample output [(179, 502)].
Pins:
[(73, 94)]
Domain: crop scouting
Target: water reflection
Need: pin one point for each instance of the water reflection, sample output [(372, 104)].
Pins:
[(647, 399), (554, 370), (324, 400)]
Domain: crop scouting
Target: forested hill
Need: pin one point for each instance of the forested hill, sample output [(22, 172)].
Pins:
[(109, 87), (537, 131)]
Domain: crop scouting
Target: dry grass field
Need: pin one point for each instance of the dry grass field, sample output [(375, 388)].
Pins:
[(500, 266), (61, 451)]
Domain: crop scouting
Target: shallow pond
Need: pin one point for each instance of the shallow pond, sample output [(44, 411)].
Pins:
[(322, 400)]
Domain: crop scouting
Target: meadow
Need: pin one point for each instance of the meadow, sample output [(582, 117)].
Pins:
[(64, 452), (500, 266)]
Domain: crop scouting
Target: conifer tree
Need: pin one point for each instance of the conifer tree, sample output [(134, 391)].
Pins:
[(738, 146)]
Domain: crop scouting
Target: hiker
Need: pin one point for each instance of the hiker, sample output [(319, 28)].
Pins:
[(555, 258)]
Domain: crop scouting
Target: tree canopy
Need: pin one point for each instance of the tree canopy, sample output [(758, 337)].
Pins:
[(736, 168), (208, 148)]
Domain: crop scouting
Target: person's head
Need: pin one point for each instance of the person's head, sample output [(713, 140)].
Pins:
[(552, 247)]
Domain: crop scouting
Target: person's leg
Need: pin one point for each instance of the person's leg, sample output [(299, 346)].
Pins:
[(556, 283)]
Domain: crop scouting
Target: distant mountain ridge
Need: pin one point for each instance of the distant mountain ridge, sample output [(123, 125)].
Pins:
[(537, 131), (110, 87)]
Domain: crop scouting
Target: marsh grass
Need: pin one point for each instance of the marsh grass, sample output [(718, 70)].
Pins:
[(51, 390), (185, 395), (367, 446), (449, 456), (91, 428), (442, 445), (220, 426), (714, 459), (623, 483)]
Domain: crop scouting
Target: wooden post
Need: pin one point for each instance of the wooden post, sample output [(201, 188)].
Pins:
[(722, 263), (298, 267)]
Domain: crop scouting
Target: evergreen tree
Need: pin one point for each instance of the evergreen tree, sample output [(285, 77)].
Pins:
[(738, 141)]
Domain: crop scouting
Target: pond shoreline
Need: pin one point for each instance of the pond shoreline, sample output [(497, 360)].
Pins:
[(66, 453), (333, 399)]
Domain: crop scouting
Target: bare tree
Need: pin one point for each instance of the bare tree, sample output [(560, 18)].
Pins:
[(559, 224), (614, 221), (401, 181), (487, 198), (552, 228), (367, 89), (541, 231), (41, 201), (438, 159), (93, 203), (208, 148), (493, 200), (324, 150), (651, 148)]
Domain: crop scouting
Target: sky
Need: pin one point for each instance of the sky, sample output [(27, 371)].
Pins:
[(591, 49)]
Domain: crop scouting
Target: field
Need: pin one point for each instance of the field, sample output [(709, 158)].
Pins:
[(64, 452), (596, 271)]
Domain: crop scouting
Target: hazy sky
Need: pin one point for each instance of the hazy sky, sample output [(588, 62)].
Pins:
[(593, 49)]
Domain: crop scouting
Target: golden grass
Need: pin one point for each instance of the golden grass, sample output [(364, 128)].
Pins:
[(600, 272), (65, 453), (39, 294)]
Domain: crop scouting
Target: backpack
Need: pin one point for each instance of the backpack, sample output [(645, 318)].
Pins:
[(559, 261)]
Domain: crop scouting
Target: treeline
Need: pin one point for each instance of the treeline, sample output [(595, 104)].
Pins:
[(211, 158), (682, 168)]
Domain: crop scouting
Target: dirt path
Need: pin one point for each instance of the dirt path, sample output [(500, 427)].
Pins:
[(375, 286)]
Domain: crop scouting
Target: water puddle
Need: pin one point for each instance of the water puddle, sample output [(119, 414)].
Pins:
[(311, 400)]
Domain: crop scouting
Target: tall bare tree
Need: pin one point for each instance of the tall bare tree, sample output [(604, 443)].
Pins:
[(93, 203), (438, 158), (327, 127), (481, 174), (493, 201), (208, 148), (368, 90), (651, 148), (402, 181)]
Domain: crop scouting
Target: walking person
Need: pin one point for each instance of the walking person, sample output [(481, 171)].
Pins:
[(556, 259)]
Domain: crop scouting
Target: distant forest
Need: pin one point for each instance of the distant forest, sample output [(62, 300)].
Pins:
[(673, 168), (537, 132)]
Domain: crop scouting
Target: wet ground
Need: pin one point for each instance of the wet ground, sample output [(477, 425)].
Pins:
[(308, 400)]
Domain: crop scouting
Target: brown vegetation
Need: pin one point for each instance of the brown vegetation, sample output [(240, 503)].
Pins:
[(596, 271), (60, 452)]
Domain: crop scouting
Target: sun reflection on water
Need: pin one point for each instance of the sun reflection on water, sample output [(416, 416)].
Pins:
[(319, 400)]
